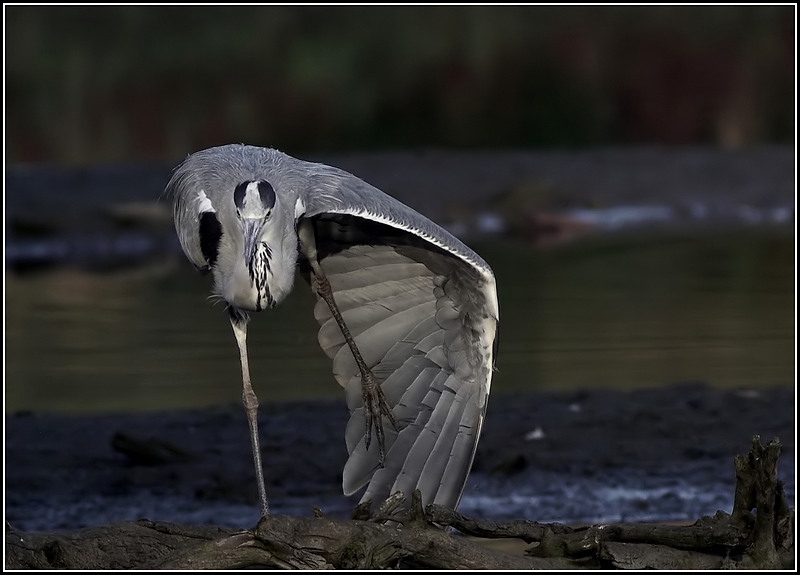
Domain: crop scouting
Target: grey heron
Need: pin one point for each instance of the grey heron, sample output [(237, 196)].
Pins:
[(407, 312)]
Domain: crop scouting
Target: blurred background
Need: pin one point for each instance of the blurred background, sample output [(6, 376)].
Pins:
[(628, 172), (140, 83)]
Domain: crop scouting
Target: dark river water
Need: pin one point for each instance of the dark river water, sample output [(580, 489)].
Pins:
[(596, 324), (618, 311)]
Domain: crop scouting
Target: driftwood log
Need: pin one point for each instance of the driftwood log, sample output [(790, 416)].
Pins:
[(758, 534)]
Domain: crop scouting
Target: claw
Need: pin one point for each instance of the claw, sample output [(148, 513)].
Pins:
[(373, 414)]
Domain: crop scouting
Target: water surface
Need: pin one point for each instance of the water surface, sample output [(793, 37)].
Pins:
[(621, 311)]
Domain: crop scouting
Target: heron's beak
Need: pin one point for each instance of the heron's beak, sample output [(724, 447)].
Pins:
[(251, 228)]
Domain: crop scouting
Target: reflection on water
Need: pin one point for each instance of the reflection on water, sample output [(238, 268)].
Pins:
[(613, 312)]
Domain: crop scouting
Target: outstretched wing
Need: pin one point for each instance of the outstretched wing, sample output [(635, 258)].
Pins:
[(422, 308)]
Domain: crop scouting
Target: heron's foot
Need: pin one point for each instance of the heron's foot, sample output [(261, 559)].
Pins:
[(375, 409)]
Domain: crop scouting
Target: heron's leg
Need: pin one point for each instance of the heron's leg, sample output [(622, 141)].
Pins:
[(250, 401), (375, 405)]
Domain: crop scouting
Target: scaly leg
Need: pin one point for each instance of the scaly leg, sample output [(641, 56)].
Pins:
[(250, 401), (375, 404)]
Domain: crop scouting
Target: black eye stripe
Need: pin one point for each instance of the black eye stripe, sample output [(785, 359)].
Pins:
[(267, 194), (265, 191), (238, 194)]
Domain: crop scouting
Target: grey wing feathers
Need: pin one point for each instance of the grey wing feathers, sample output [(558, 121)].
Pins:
[(422, 323), (415, 330), (330, 190), (424, 317)]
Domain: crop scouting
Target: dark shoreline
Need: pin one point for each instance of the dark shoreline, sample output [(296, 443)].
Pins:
[(66, 215), (650, 454)]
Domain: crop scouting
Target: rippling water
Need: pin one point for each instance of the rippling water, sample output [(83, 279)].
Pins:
[(619, 311)]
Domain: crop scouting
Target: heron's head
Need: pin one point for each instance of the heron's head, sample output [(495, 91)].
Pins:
[(254, 202), (264, 269)]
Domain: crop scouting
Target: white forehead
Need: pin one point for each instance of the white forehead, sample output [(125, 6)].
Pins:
[(251, 193)]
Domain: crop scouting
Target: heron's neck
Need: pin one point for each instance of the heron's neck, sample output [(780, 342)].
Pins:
[(271, 269), (259, 269), (246, 283), (260, 280)]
